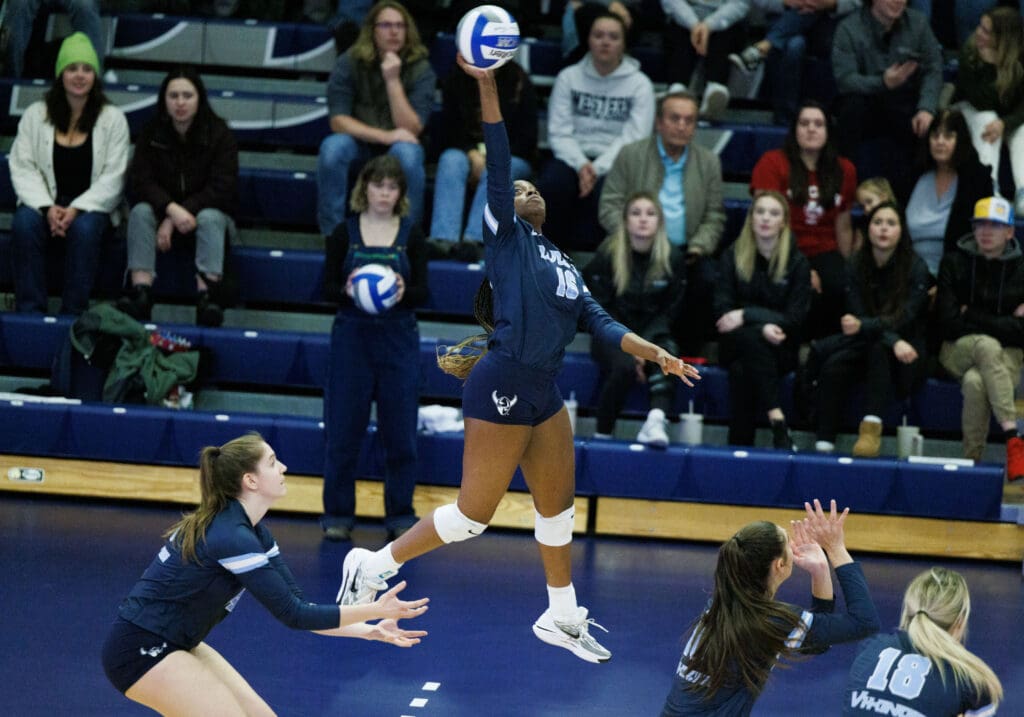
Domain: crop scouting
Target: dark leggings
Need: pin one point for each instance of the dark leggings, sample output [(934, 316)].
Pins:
[(828, 306), (756, 368), (619, 371), (872, 362), (681, 58)]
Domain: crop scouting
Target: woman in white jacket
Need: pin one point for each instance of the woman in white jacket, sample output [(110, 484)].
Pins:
[(598, 105), (67, 166)]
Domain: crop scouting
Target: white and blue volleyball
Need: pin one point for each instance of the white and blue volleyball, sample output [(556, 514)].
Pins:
[(375, 288), (487, 37)]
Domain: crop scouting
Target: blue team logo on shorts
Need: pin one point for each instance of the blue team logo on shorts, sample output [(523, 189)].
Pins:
[(504, 404)]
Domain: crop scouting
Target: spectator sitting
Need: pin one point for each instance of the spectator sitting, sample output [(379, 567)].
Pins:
[(687, 179), (597, 105), (67, 167), (704, 29), (373, 358), (20, 16), (888, 69), (579, 16), (761, 301), (379, 98), (990, 92), (883, 332), (870, 193), (798, 23), (639, 279), (951, 182), (819, 185), (184, 178), (980, 308), (462, 164)]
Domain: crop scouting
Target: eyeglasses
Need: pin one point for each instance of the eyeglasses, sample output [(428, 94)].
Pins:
[(389, 26)]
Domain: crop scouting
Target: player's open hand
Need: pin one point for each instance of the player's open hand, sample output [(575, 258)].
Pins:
[(473, 71), (807, 554), (670, 364), (826, 530), (389, 606), (388, 631)]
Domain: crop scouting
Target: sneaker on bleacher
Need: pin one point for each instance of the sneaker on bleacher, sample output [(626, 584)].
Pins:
[(748, 60), (1015, 458), (653, 432), (716, 100)]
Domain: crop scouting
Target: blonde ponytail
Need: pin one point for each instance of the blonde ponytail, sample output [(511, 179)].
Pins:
[(936, 607)]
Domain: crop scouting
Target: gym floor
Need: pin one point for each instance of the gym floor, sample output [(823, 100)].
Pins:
[(68, 563)]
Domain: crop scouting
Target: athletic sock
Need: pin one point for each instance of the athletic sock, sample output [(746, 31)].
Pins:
[(382, 563), (871, 418), (562, 601)]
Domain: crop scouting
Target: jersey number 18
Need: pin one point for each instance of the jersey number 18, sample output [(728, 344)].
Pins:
[(907, 680)]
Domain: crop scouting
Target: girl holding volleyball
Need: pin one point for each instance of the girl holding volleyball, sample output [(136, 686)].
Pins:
[(924, 668), (155, 652), (373, 357), (531, 303), (745, 631)]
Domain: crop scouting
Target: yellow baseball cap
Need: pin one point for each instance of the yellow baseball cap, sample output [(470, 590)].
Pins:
[(994, 209)]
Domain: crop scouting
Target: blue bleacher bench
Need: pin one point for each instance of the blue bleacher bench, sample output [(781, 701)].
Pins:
[(294, 359), (605, 468)]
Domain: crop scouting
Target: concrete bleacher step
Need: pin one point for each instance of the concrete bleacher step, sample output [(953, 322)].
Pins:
[(229, 83)]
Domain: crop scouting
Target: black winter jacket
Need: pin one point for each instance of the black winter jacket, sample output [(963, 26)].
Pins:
[(198, 172), (991, 289)]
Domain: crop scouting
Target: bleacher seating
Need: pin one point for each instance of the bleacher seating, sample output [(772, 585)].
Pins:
[(287, 278), (137, 434), (296, 359)]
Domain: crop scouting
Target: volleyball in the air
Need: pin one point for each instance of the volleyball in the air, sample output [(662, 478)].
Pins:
[(487, 37), (375, 288)]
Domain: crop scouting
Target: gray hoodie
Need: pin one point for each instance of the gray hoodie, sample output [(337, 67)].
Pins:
[(591, 117)]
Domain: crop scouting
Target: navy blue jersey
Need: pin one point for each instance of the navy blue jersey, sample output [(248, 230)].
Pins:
[(819, 628), (182, 601), (890, 678), (540, 299)]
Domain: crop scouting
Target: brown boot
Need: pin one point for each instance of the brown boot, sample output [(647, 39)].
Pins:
[(869, 443)]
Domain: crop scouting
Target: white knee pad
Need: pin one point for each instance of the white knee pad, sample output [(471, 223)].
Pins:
[(453, 527), (556, 531)]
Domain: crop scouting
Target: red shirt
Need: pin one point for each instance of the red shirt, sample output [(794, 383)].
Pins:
[(813, 225)]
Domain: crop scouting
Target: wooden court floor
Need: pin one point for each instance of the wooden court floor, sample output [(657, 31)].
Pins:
[(66, 564)]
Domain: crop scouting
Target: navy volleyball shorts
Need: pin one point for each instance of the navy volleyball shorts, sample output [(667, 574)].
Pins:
[(130, 652), (503, 390)]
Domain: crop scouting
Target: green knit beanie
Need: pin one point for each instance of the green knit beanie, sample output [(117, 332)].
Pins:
[(77, 48)]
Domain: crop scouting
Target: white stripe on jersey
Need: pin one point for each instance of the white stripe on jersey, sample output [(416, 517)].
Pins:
[(985, 711), (489, 219), (274, 551), (239, 564), (799, 634)]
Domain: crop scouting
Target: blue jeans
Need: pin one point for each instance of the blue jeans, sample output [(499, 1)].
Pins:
[(83, 14), (372, 359), (29, 243), (449, 203), (789, 36), (789, 25), (341, 154)]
